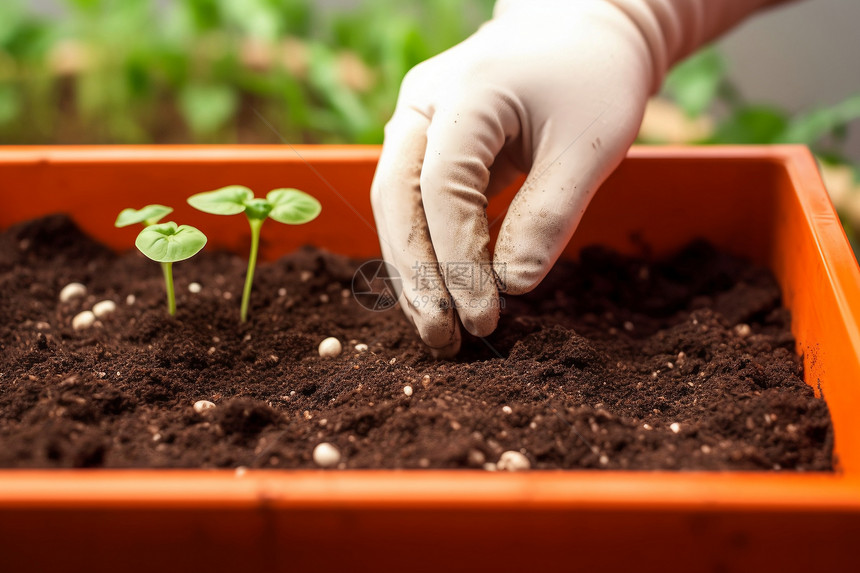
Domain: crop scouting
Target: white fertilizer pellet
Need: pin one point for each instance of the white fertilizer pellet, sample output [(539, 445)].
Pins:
[(201, 406), (330, 347), (104, 308), (83, 320), (326, 455), (72, 290), (513, 461)]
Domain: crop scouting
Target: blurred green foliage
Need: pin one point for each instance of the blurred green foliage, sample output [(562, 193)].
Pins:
[(701, 85), (129, 71)]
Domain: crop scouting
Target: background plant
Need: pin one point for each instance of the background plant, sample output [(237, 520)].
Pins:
[(131, 71), (701, 105)]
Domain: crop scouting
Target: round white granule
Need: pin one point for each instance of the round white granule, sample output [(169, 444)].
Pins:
[(675, 427), (104, 308), (407, 390), (330, 347), (201, 406), (743, 330), (361, 347), (194, 288), (83, 320), (72, 290), (507, 410), (326, 455), (513, 461), (282, 291), (130, 299)]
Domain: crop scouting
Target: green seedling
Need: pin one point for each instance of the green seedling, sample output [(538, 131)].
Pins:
[(165, 243), (168, 243), (289, 206), (149, 215)]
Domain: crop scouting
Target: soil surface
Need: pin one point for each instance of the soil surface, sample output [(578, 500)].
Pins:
[(614, 362)]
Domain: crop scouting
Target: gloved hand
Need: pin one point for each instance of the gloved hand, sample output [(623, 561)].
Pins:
[(552, 88)]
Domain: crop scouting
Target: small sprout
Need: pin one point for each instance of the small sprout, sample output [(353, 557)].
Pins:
[(326, 455), (149, 215), (289, 206), (513, 461), (168, 243), (330, 347), (83, 320), (104, 308), (72, 290), (165, 243)]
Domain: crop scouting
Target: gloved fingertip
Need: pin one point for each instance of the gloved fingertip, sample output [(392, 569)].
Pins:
[(521, 277), (446, 352), (483, 324)]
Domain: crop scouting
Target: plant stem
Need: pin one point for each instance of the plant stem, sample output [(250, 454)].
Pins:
[(256, 224), (168, 283)]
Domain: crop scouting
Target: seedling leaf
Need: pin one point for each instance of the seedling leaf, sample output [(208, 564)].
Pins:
[(292, 206), (169, 243), (148, 215), (228, 200)]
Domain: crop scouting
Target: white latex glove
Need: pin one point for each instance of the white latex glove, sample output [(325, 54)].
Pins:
[(552, 88)]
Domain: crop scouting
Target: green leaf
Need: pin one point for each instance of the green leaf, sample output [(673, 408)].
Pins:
[(292, 206), (167, 243), (228, 200), (10, 104), (751, 124), (808, 128), (148, 215), (207, 108), (695, 82)]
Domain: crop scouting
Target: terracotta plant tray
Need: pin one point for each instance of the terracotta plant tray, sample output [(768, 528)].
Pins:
[(766, 203)]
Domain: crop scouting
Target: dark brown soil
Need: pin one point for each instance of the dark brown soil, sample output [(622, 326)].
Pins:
[(593, 370)]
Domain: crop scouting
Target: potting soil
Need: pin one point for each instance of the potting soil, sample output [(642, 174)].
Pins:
[(612, 363)]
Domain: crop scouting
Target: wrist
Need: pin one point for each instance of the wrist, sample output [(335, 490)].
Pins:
[(673, 29)]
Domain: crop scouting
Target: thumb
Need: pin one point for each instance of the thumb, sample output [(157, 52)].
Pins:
[(544, 213)]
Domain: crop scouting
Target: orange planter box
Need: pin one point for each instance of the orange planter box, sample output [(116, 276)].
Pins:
[(767, 203)]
